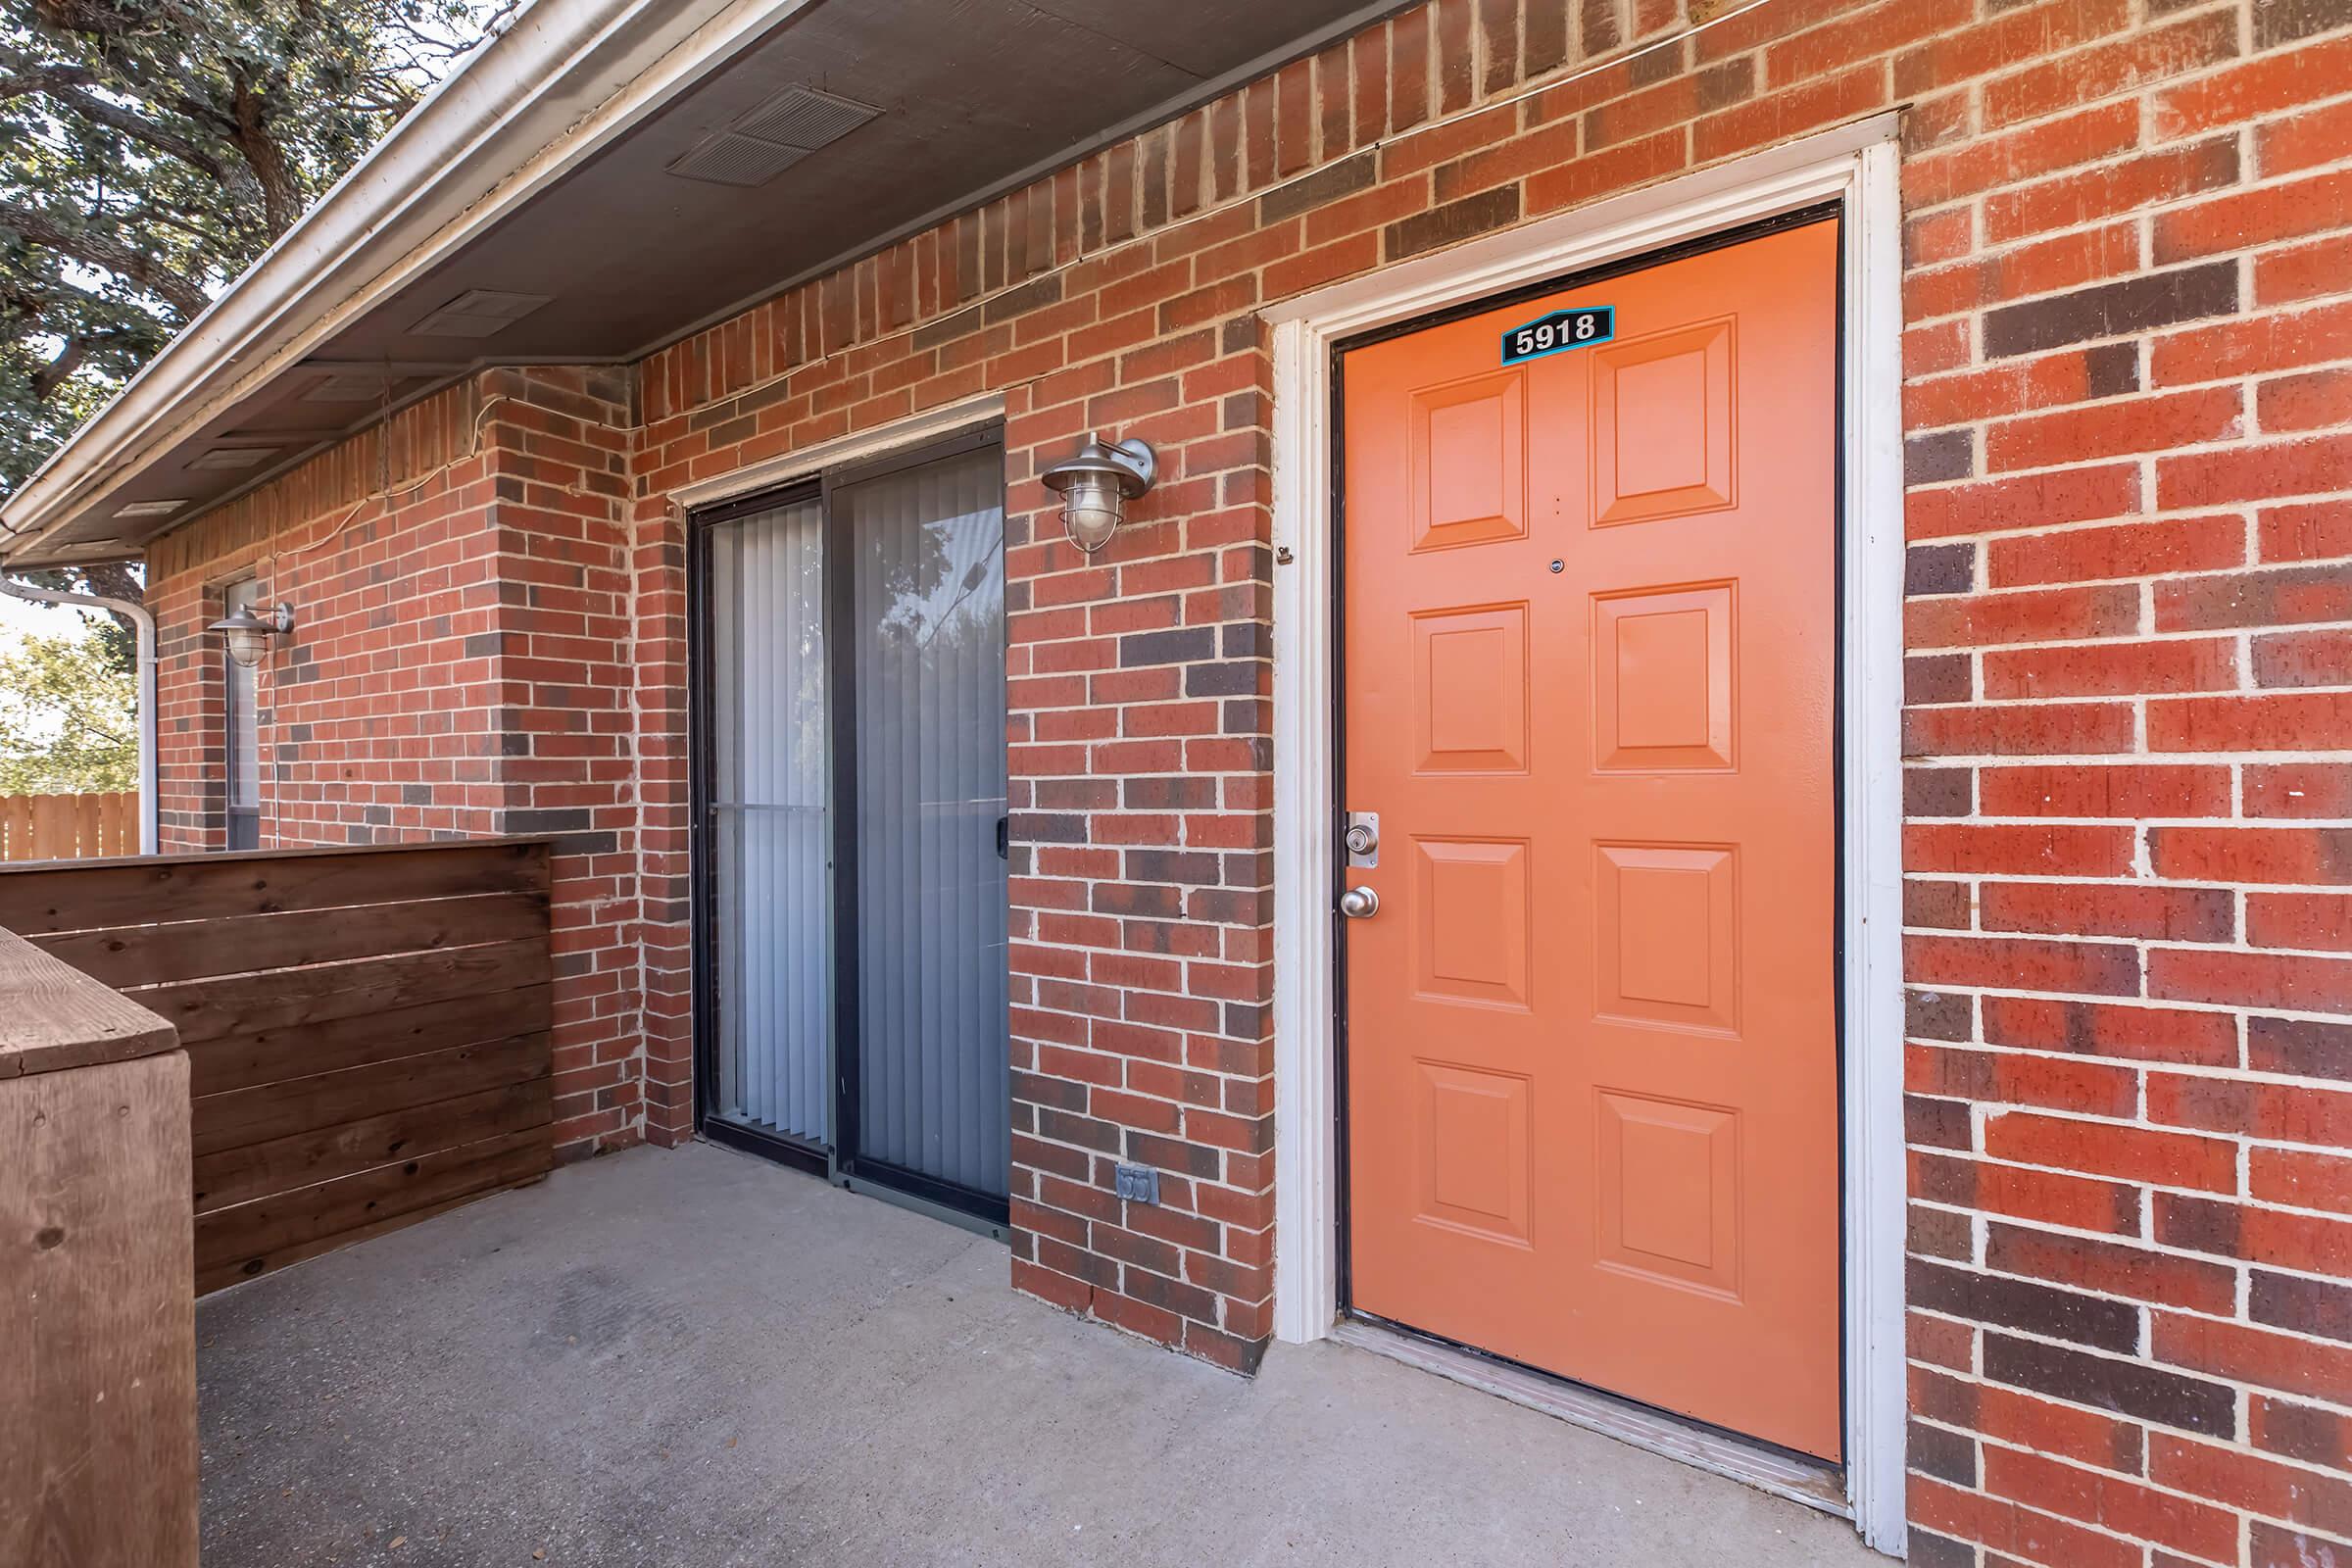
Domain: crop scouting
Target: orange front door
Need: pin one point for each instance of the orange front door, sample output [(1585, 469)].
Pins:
[(1591, 642)]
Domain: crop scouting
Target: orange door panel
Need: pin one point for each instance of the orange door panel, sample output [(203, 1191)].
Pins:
[(1591, 645)]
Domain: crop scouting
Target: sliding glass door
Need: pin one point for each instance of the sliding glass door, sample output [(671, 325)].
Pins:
[(850, 852), (923, 683), (770, 846)]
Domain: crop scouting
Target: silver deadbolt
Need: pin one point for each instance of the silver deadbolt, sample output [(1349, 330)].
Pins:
[(1359, 903), (1362, 838)]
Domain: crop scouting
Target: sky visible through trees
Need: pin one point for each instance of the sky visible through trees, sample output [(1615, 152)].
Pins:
[(150, 151)]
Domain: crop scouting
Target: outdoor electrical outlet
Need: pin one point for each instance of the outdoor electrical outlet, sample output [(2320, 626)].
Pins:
[(1139, 1184)]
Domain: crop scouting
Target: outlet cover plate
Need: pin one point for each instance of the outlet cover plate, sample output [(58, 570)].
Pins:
[(1139, 1184)]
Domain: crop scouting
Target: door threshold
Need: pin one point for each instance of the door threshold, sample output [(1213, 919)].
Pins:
[(1813, 1482)]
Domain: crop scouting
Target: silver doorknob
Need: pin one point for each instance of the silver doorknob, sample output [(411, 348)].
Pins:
[(1359, 903)]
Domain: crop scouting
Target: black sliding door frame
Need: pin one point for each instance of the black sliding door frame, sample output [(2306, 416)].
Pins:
[(844, 1160), (701, 672), (852, 1164)]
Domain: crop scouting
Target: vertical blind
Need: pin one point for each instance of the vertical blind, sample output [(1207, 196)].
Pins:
[(771, 836), (927, 628)]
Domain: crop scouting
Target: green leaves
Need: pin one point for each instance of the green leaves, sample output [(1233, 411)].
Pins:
[(151, 150), (69, 723)]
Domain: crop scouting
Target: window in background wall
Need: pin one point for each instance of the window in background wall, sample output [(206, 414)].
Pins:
[(243, 753)]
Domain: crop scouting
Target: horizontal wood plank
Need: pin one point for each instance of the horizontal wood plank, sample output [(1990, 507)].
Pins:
[(283, 1164), (252, 1238), (216, 1007), (48, 900), (220, 1276), (268, 1111), (134, 956), (53, 1016), (304, 1049), (370, 1027)]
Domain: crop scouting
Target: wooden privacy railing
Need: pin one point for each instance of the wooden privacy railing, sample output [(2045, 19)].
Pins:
[(97, 1329), (367, 1029), (68, 828)]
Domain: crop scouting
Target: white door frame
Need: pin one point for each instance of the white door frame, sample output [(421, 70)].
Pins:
[(1857, 166)]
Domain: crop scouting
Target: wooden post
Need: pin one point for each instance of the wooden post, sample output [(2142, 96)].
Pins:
[(97, 1327)]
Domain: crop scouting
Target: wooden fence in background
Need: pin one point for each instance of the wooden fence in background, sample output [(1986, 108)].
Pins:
[(367, 1029), (68, 828)]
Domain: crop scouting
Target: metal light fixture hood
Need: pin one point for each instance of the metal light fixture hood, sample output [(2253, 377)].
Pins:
[(248, 633), (1096, 486)]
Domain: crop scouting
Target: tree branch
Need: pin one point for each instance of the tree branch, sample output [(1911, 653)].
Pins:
[(281, 196), (21, 78), (70, 356), (138, 129), (183, 294), (60, 370)]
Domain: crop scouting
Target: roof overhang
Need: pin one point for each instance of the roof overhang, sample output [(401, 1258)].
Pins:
[(566, 78), (573, 111)]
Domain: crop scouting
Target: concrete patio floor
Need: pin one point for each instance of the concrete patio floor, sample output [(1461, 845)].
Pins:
[(696, 1359)]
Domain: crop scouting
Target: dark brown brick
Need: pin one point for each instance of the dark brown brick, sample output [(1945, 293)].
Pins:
[(1721, 86), (1942, 455), (2305, 1305), (1181, 645), (1938, 1551), (1942, 1453), (1600, 27), (1174, 1155), (1498, 29), (1938, 1233), (2042, 1309), (1451, 222), (2111, 370), (1326, 185), (1940, 1014), (2197, 1223), (1938, 790), (2301, 1431), (2127, 1388), (2272, 1546), (1083, 1131), (1943, 905), (2301, 1046), (1939, 570), (2281, 22), (1932, 678), (1186, 867), (1938, 1123), (1546, 40), (1659, 63), (2112, 309)]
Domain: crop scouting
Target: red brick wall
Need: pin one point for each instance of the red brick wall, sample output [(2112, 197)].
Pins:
[(2128, 390), (459, 667)]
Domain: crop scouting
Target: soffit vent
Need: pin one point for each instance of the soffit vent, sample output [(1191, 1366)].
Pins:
[(727, 159), (803, 117), (772, 137), (478, 312), (232, 460), (151, 509)]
